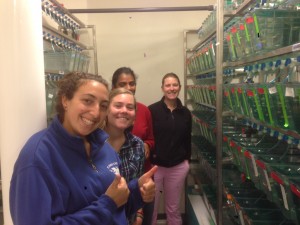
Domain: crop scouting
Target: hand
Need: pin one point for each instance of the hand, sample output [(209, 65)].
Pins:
[(147, 185), (147, 150), (139, 217), (138, 221), (118, 191)]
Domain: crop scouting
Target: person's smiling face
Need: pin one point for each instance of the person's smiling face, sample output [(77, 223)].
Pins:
[(171, 88), (126, 81), (121, 111), (87, 109)]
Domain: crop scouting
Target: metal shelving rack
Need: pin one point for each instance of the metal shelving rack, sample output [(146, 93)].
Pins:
[(56, 32), (223, 19)]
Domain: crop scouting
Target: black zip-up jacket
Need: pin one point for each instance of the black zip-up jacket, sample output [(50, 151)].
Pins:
[(172, 134)]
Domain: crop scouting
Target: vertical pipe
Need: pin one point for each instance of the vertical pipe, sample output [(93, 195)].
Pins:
[(22, 85), (219, 94), (95, 50), (184, 64)]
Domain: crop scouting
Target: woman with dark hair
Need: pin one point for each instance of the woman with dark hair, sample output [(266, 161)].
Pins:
[(172, 126), (124, 77), (68, 173)]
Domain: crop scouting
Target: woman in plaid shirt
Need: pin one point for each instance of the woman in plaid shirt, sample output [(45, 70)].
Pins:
[(120, 118)]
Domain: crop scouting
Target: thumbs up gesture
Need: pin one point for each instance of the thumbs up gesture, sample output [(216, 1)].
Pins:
[(118, 191), (147, 185)]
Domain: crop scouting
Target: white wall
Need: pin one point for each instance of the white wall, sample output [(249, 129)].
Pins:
[(151, 43), (22, 83)]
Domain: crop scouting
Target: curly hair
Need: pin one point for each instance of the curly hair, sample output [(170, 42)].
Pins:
[(69, 84)]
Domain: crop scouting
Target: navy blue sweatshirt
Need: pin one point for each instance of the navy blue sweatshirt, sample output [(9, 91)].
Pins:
[(55, 183)]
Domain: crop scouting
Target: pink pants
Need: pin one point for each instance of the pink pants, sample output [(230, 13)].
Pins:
[(170, 181)]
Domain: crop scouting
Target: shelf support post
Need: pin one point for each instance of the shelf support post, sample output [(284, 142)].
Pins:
[(219, 103)]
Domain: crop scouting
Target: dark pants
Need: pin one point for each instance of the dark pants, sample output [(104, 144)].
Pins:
[(148, 212)]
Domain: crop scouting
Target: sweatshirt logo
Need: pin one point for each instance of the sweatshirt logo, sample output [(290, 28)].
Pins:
[(114, 168)]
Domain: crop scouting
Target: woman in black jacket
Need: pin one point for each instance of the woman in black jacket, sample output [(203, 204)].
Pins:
[(172, 124)]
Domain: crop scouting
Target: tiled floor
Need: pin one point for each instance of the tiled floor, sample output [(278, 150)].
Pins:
[(164, 222), (161, 222)]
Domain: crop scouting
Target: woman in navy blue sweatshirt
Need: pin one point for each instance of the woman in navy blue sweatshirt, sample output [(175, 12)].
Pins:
[(68, 174)]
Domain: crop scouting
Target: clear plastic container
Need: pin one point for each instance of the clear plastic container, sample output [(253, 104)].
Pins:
[(212, 93), (236, 143), (244, 39), (248, 207), (86, 63), (194, 64), (252, 150), (202, 94), (227, 101), (275, 26), (281, 113), (54, 61), (255, 110), (252, 29), (231, 46), (51, 95), (77, 61), (212, 52), (263, 97), (295, 202), (226, 53), (208, 57), (238, 105), (190, 92), (198, 63), (282, 194), (292, 99), (196, 94), (190, 65), (264, 216), (242, 99), (207, 94), (233, 147), (235, 35), (264, 165), (272, 28)]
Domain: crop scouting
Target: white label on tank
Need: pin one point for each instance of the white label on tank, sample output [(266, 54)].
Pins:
[(283, 192), (296, 47), (272, 90), (254, 165), (289, 92), (241, 217), (267, 180)]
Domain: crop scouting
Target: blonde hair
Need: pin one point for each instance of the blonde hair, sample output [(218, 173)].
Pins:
[(118, 91), (113, 93)]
